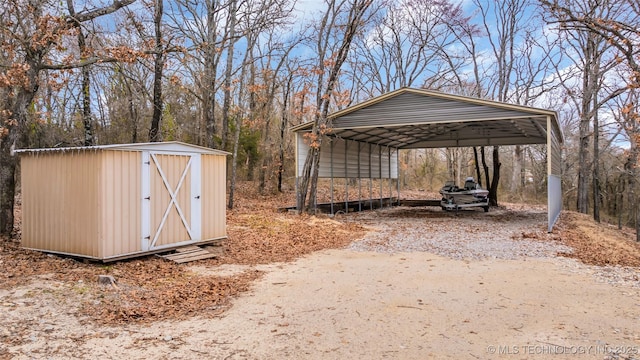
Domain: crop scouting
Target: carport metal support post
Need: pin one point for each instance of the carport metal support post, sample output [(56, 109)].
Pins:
[(398, 175), (359, 181), (297, 169), (370, 181), (549, 170), (346, 177), (380, 167), (331, 166), (390, 188), (297, 190)]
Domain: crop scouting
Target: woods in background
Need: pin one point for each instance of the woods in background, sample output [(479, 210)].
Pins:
[(236, 74)]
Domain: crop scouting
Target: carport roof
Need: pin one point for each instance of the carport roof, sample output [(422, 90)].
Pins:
[(411, 118)]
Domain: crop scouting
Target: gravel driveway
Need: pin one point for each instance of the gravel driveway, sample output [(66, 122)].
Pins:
[(467, 234)]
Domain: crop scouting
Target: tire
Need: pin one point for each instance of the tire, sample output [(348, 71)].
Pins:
[(486, 208)]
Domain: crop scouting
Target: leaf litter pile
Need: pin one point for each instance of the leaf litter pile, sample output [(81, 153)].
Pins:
[(597, 243), (149, 288)]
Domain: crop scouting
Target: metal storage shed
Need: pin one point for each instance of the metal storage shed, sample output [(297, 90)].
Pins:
[(365, 138), (119, 201)]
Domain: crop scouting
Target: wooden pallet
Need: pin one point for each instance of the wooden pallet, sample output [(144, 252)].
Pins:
[(193, 253)]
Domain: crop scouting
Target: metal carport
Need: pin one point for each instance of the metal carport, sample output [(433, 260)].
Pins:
[(367, 136)]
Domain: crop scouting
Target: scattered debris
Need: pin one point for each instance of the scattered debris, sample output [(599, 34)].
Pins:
[(192, 253), (107, 280)]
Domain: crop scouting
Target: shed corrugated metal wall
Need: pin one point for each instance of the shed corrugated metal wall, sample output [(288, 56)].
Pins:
[(363, 160), (120, 201), (60, 200), (213, 188)]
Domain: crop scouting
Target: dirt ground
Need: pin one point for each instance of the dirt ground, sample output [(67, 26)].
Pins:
[(419, 284)]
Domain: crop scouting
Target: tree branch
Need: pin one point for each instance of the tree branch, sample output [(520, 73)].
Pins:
[(115, 6)]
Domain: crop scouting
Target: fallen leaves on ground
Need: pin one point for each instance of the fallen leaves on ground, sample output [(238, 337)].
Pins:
[(150, 288), (147, 288), (597, 243), (266, 237), (154, 289)]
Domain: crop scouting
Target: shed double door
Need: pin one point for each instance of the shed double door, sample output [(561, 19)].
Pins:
[(171, 204)]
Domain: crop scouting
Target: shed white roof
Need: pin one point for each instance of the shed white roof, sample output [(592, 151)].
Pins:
[(170, 146)]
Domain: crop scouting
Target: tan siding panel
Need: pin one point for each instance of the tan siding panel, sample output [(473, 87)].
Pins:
[(213, 196), (121, 197), (60, 202)]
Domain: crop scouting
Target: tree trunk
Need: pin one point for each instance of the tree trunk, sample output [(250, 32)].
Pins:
[(459, 179), (8, 164), (477, 165), (485, 167), (12, 140), (248, 59), (86, 81), (133, 114), (284, 123), (304, 179), (518, 170), (154, 131), (631, 170), (493, 191), (228, 74), (234, 162), (450, 168), (596, 167), (86, 105), (584, 163), (210, 73)]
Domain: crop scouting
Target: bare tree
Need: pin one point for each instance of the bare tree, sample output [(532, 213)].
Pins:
[(330, 23), (228, 73), (408, 46), (206, 32), (256, 20), (29, 39), (276, 78), (627, 115), (86, 78), (159, 60), (594, 59), (619, 27)]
